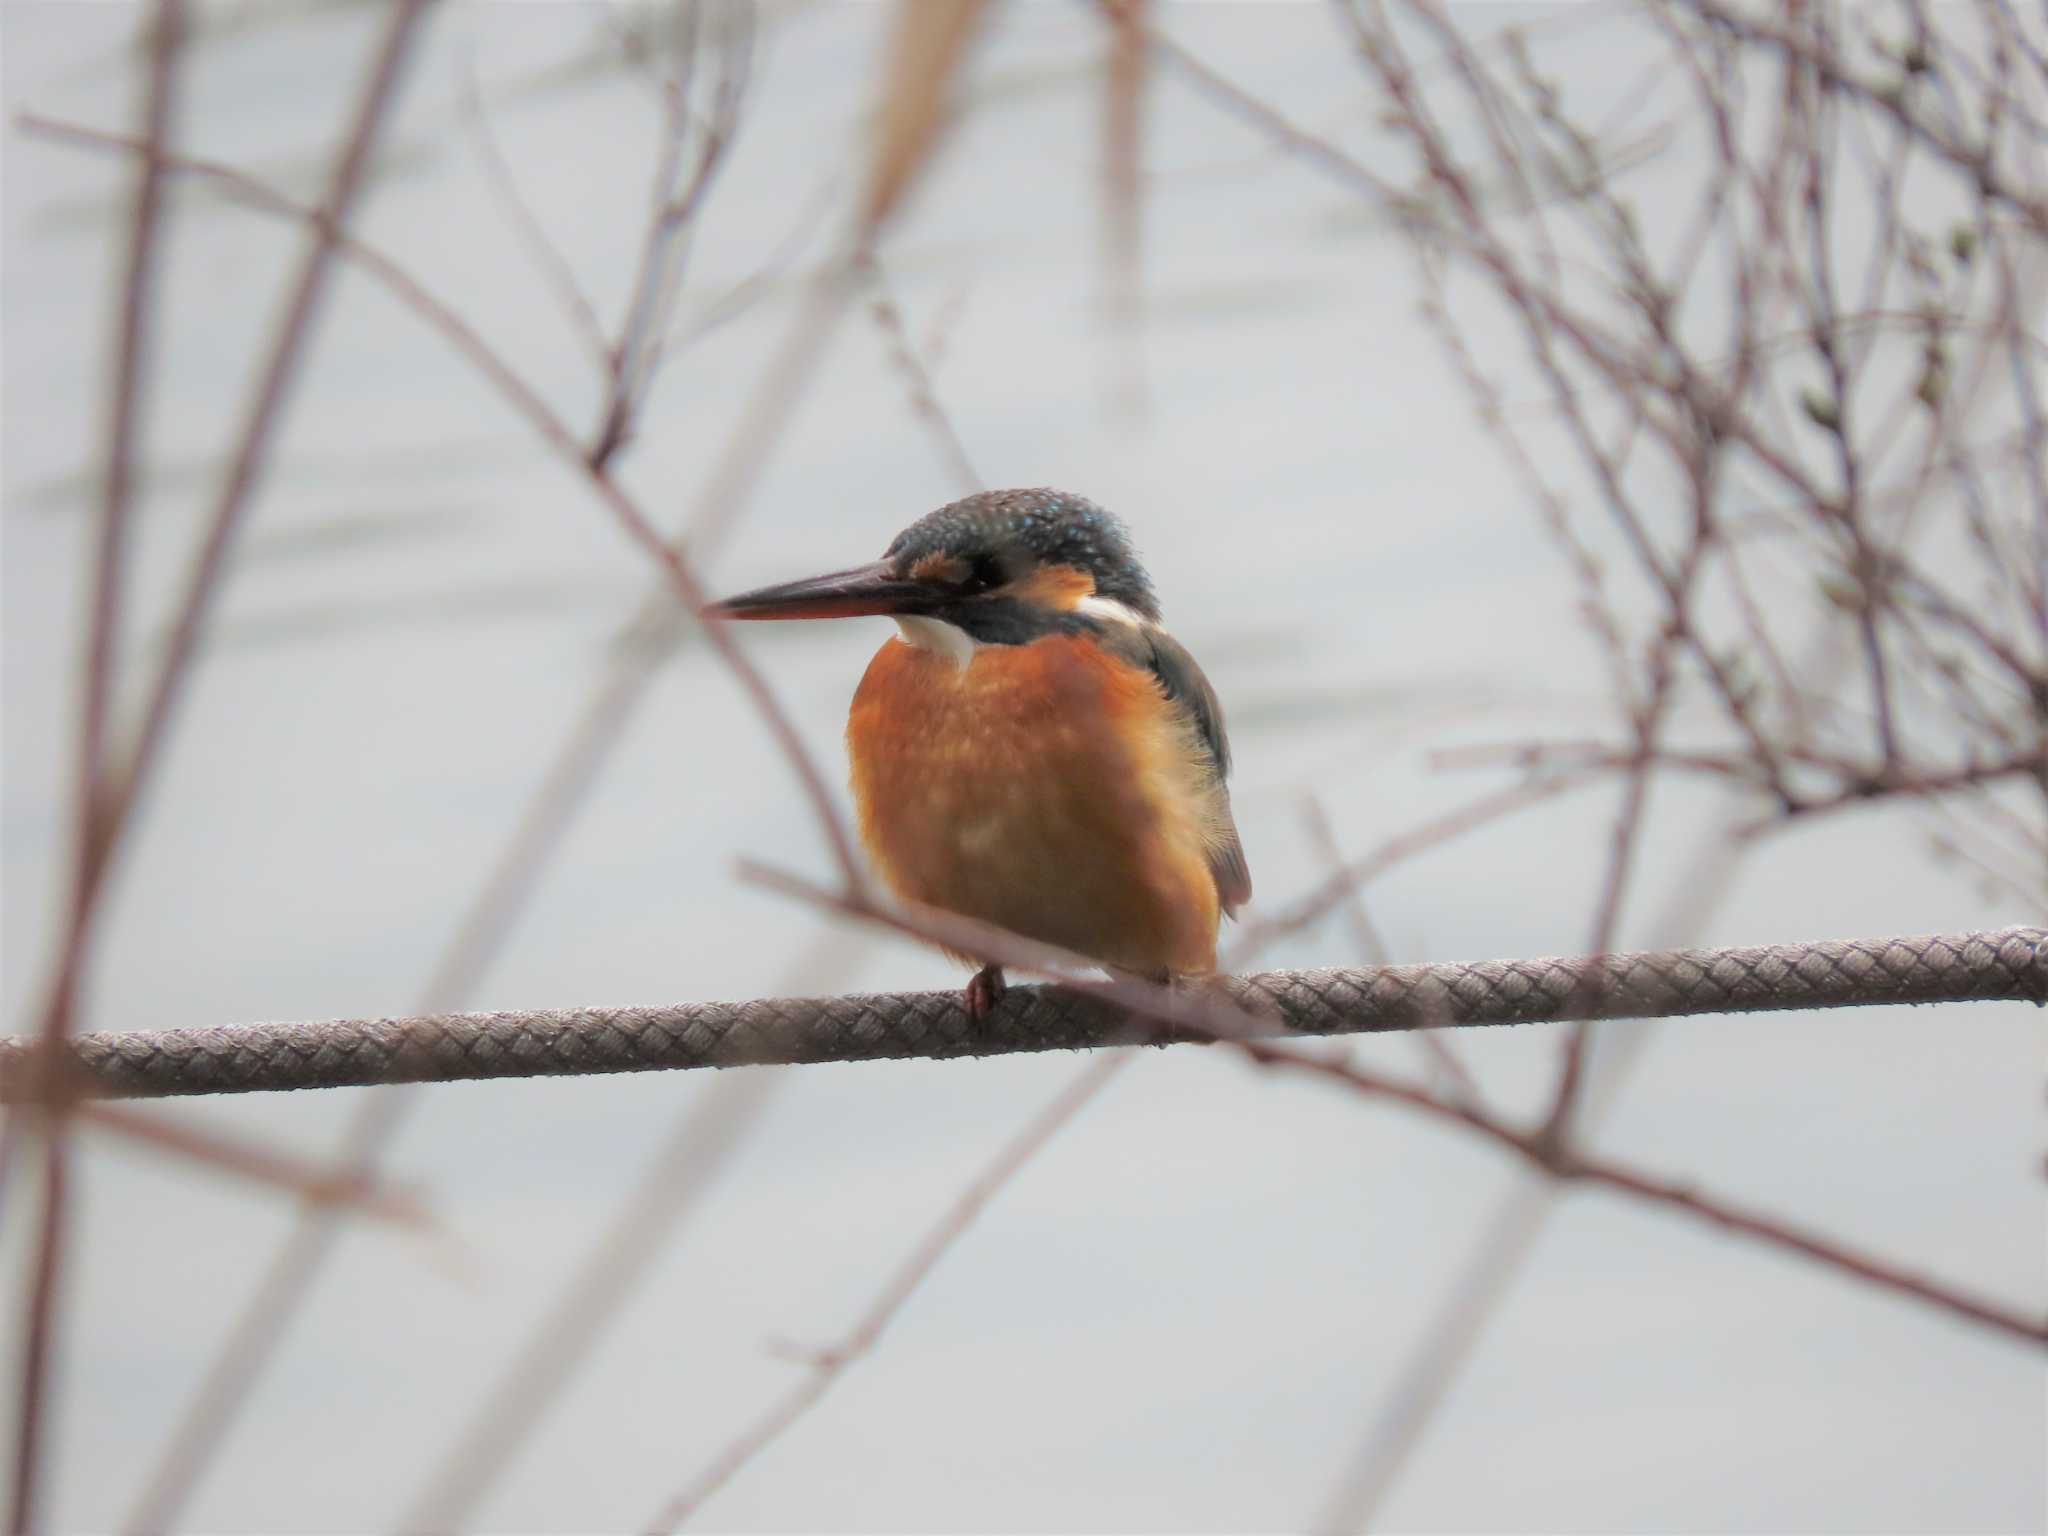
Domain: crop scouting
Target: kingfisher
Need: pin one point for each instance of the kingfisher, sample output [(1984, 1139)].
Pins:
[(1032, 748)]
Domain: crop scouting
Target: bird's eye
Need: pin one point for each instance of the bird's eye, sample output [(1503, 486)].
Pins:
[(987, 571)]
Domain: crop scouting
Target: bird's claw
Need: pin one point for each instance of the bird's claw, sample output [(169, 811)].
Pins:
[(985, 991)]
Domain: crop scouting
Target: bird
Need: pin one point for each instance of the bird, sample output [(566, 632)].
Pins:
[(1032, 748)]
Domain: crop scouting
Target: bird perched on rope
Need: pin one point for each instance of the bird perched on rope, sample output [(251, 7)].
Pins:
[(1034, 750)]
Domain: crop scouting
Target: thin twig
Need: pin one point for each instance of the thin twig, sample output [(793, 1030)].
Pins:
[(1539, 1151), (917, 378), (1628, 826), (317, 1185), (1443, 1061), (225, 1384), (827, 1365), (1321, 898), (1973, 160), (693, 1158), (125, 785), (636, 354), (533, 236), (95, 823), (736, 470), (1209, 1017), (109, 795), (1446, 1345), (776, 398)]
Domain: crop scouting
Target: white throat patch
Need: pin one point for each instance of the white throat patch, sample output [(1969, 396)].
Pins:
[(939, 637)]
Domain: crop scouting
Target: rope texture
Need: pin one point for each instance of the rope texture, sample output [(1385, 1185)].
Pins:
[(2008, 964)]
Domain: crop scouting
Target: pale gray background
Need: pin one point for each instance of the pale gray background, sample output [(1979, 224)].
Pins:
[(1184, 1316)]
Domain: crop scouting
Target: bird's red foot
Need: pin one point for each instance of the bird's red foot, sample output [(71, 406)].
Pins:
[(985, 991)]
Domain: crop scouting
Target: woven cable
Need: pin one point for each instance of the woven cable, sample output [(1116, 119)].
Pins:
[(2006, 964)]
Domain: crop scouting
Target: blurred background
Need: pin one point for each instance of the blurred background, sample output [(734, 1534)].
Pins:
[(1200, 1306)]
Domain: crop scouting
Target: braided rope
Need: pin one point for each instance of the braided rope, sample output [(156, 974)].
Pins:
[(2009, 964)]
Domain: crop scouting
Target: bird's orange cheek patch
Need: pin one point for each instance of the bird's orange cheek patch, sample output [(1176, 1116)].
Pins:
[(1055, 586)]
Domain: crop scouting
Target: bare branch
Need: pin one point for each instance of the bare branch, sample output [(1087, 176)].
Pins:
[(1454, 1079), (927, 56), (553, 430), (692, 1160), (827, 1365), (924, 398), (118, 790), (262, 1165)]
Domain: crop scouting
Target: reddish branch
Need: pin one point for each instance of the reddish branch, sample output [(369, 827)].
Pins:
[(1207, 1016), (111, 795)]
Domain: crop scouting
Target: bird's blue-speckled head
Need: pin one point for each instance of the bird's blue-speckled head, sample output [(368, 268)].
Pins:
[(1001, 568), (997, 538)]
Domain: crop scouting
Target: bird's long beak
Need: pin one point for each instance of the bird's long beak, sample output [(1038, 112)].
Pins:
[(866, 589)]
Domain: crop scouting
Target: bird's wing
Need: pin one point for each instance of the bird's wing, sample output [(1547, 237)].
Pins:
[(1185, 686)]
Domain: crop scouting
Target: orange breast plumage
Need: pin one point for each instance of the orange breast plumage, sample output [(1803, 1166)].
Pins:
[(1050, 788)]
